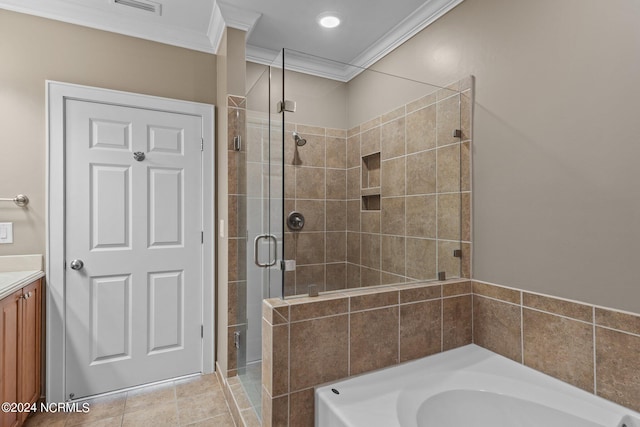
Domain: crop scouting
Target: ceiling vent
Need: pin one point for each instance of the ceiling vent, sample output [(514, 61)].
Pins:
[(145, 5)]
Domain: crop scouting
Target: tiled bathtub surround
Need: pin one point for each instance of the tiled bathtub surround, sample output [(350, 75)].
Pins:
[(590, 347), (310, 341)]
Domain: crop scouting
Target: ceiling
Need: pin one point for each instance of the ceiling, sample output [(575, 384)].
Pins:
[(369, 30)]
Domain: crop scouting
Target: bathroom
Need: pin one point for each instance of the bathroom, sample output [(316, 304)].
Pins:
[(554, 211)]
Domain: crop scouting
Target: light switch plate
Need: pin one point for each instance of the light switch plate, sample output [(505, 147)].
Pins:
[(6, 232)]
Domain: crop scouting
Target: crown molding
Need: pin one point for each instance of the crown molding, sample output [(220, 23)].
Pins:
[(102, 19), (216, 28), (410, 26), (79, 13), (424, 16), (235, 17), (297, 61), (261, 55), (222, 15), (227, 15)]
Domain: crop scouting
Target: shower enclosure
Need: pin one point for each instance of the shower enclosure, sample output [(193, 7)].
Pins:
[(351, 181)]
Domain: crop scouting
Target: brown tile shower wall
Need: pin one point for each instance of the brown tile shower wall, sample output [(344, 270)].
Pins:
[(409, 191), (310, 341), (590, 347), (237, 241), (415, 177), (315, 185)]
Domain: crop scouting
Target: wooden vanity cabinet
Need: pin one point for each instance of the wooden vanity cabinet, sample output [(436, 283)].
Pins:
[(31, 341), (21, 332), (9, 355)]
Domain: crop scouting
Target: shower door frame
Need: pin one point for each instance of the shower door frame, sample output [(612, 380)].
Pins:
[(270, 234)]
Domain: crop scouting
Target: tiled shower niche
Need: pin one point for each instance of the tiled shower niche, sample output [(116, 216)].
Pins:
[(371, 182)]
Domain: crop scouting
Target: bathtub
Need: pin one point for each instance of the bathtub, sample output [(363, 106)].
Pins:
[(468, 386)]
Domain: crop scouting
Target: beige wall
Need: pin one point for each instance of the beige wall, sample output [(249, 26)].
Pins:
[(556, 203), (33, 50), (319, 101)]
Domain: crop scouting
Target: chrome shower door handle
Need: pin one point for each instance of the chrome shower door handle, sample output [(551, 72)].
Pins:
[(256, 258)]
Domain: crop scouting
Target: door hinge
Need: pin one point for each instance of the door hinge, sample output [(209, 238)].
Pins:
[(201, 144), (201, 331), (236, 339), (202, 237)]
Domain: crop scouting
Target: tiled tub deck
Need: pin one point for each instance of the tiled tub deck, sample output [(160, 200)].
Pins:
[(311, 341)]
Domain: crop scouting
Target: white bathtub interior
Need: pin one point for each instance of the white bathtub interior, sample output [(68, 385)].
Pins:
[(468, 386)]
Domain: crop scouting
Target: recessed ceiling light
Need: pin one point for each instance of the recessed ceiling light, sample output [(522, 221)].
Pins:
[(328, 20)]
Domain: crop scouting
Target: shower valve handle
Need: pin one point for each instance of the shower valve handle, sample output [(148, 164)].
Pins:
[(295, 221)]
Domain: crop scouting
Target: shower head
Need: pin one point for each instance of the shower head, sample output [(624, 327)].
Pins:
[(299, 141)]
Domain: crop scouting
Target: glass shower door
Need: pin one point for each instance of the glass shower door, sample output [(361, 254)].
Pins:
[(264, 239), (387, 150)]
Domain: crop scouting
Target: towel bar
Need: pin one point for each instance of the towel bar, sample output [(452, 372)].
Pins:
[(20, 200)]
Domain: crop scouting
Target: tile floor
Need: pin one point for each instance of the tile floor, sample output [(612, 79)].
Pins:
[(197, 401), (242, 407), (251, 380)]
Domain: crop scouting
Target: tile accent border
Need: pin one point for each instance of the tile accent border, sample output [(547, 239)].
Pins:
[(311, 341)]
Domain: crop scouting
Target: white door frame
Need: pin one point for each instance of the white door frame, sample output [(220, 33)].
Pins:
[(57, 93)]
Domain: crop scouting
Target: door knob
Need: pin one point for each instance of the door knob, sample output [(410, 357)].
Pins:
[(138, 155), (76, 264)]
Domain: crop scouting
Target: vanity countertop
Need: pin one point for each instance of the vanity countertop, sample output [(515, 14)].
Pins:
[(17, 271), (11, 281)]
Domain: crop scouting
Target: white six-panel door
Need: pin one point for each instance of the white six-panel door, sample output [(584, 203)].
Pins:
[(134, 309)]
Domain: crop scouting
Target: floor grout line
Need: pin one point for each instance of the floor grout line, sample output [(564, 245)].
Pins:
[(101, 412)]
